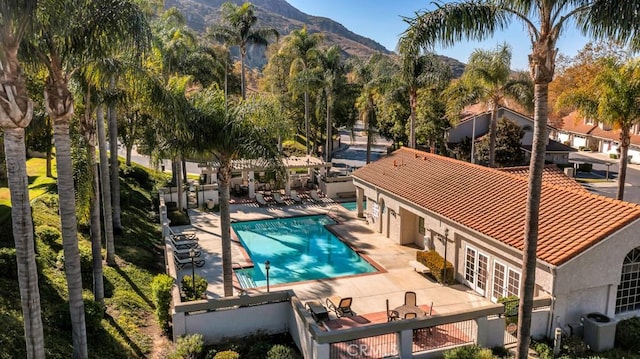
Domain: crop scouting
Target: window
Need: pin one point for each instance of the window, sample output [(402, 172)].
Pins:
[(470, 267), (420, 225), (628, 297), (506, 281)]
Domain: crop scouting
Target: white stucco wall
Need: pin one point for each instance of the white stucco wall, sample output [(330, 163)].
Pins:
[(588, 282)]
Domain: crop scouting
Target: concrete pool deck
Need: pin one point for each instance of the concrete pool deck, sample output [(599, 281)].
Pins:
[(369, 291)]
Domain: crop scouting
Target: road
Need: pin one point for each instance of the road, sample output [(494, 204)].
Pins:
[(600, 161)]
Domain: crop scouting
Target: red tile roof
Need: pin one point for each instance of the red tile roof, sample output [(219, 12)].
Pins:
[(494, 202), (573, 122), (551, 175)]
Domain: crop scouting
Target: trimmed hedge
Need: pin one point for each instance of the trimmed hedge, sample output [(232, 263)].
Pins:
[(161, 294), (435, 262)]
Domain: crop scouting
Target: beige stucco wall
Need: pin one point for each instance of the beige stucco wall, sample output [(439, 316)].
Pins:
[(589, 282)]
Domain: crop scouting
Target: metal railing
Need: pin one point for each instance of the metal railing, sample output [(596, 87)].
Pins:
[(380, 346)]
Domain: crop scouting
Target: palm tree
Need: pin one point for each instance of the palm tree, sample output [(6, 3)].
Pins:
[(16, 111), (420, 71), (92, 28), (545, 22), (238, 31), (333, 76), (612, 97), (224, 136), (304, 47), (487, 78)]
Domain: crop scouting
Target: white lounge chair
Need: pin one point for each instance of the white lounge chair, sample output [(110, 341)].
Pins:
[(314, 195), (294, 196), (260, 199), (278, 198)]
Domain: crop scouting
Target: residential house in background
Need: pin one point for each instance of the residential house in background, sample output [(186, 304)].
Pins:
[(476, 121), (588, 250), (586, 133)]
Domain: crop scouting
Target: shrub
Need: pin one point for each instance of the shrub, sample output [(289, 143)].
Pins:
[(585, 167), (177, 218), (573, 347), (138, 174), (280, 351), (8, 264), (93, 314), (188, 347), (613, 156), (510, 308), (543, 349), (48, 234), (188, 292), (161, 295), (469, 352), (435, 262), (628, 334), (227, 354)]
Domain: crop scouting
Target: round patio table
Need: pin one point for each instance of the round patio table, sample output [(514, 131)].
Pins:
[(405, 309)]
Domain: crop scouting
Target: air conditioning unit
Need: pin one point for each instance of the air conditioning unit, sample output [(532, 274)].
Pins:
[(599, 331)]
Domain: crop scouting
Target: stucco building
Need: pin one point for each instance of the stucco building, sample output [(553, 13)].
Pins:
[(588, 245)]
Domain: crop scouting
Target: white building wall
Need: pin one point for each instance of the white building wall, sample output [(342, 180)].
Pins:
[(588, 282)]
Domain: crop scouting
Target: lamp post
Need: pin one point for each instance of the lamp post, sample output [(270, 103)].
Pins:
[(192, 255), (444, 267), (267, 266)]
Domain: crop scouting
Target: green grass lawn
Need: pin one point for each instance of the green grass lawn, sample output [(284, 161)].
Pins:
[(128, 328), (39, 184)]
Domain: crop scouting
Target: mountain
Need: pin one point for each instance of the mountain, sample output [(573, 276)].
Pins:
[(280, 15)]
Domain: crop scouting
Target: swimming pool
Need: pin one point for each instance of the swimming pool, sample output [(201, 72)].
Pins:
[(298, 249), (351, 206)]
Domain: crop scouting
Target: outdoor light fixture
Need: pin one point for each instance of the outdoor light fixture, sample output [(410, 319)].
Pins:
[(267, 266), (444, 267), (192, 255)]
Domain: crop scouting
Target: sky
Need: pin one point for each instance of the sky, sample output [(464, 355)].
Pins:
[(381, 20)]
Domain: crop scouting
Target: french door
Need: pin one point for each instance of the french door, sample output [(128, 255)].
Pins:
[(476, 269)]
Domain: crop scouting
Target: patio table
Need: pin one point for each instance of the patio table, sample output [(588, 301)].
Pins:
[(405, 309)]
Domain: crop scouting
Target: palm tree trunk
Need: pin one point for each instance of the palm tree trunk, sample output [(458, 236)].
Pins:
[(22, 225), (306, 119), (529, 259), (96, 238), (129, 149), (70, 234), (413, 99), (327, 149), (224, 175), (115, 164), (179, 191), (243, 51), (493, 129), (625, 139), (106, 189), (48, 163)]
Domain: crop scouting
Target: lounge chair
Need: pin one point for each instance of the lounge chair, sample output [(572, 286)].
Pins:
[(278, 198), (183, 243), (294, 196), (314, 196), (186, 252), (391, 314), (410, 298), (260, 199), (341, 306), (318, 312), (183, 261), (183, 235)]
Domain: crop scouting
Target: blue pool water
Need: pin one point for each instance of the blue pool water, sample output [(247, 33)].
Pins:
[(351, 206), (298, 249)]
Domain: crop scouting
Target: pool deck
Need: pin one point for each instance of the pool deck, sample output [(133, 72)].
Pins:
[(369, 291)]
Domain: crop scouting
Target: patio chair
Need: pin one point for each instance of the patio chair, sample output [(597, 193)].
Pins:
[(318, 312), (183, 244), (391, 314), (294, 196), (341, 306), (410, 315), (314, 195), (182, 235), (278, 198), (185, 252), (410, 298), (260, 199), (181, 262)]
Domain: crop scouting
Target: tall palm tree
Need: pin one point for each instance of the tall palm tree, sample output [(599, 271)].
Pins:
[(488, 78), (63, 44), (16, 111), (238, 30), (333, 75), (545, 22), (612, 97), (420, 71), (224, 136), (304, 47)]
